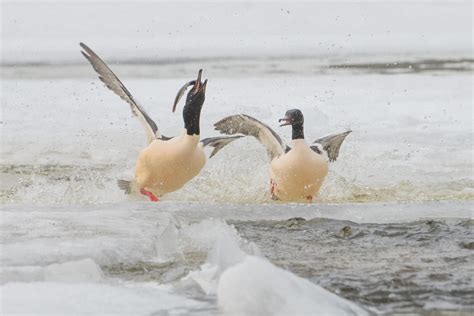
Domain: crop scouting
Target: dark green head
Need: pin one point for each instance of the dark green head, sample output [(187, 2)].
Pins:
[(294, 118)]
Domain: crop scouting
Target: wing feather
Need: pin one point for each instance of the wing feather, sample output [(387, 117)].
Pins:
[(113, 83), (250, 126), (331, 144), (218, 142)]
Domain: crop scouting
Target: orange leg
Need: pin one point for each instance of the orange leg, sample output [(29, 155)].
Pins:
[(273, 189), (150, 195)]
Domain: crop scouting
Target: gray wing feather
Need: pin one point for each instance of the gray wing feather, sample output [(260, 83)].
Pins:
[(218, 142), (250, 126), (113, 83), (125, 185), (316, 149), (331, 144)]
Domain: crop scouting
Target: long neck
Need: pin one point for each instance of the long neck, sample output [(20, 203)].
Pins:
[(297, 132), (191, 117)]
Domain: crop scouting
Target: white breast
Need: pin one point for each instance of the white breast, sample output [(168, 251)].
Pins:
[(298, 174), (165, 166)]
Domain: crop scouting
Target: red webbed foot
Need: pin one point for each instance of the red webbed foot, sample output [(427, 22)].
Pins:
[(273, 189), (272, 186), (150, 195)]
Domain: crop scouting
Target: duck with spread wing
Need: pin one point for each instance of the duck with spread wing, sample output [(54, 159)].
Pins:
[(296, 172), (167, 163)]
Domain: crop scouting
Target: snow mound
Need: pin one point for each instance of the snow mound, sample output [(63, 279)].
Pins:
[(51, 298)]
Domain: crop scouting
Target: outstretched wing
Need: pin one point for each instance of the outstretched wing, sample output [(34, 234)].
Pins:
[(113, 83), (250, 126), (218, 142), (331, 144)]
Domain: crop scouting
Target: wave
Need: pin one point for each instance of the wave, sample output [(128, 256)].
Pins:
[(78, 184)]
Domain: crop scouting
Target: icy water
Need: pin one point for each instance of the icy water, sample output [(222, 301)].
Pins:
[(391, 233)]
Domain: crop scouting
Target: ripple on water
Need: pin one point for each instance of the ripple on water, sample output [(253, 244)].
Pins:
[(402, 268)]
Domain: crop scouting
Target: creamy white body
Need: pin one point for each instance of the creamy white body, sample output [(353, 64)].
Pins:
[(298, 175), (165, 166)]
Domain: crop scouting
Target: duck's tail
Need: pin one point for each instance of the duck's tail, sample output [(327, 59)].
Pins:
[(126, 186)]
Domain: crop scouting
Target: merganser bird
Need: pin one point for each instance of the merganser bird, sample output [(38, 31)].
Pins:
[(296, 172), (167, 163)]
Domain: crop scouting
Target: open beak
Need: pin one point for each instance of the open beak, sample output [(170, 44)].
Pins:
[(197, 82), (204, 86), (197, 87), (181, 93), (286, 121)]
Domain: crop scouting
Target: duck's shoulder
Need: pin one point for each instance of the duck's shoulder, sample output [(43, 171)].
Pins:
[(300, 147)]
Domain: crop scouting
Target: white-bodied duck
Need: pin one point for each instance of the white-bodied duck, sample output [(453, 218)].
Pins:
[(296, 172), (167, 163)]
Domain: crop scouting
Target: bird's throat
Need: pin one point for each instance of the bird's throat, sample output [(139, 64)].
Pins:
[(191, 117), (297, 132)]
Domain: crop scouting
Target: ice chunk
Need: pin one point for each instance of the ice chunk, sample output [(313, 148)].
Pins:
[(248, 285), (166, 243), (225, 249), (74, 271), (206, 234), (21, 274), (257, 287), (85, 270), (224, 254)]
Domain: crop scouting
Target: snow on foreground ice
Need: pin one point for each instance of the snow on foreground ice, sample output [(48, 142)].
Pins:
[(75, 287), (85, 270), (49, 298), (234, 272)]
